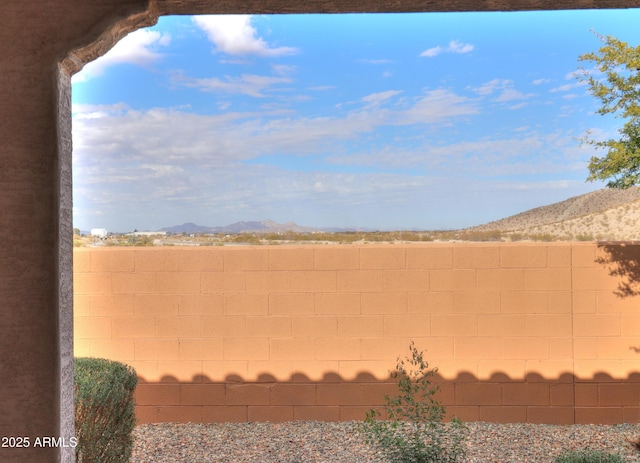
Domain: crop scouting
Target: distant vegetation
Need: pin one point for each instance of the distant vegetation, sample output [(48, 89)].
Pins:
[(325, 238)]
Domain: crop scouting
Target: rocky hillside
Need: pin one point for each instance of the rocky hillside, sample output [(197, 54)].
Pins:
[(605, 214)]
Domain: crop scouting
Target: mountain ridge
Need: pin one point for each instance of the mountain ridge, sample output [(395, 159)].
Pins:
[(262, 226), (605, 214)]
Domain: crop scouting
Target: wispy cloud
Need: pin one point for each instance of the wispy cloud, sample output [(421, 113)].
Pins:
[(526, 153), (540, 81), (283, 69), (454, 47), (245, 84), (437, 106), (375, 99), (510, 94), (573, 77), (140, 48), (504, 89), (234, 35), (567, 87), (375, 61)]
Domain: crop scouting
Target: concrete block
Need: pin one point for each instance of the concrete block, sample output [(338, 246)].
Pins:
[(295, 304), (337, 303), (202, 394), (306, 281), (245, 258), (153, 305), (295, 258), (268, 326), (429, 257), (201, 304), (336, 258), (382, 258), (520, 255), (359, 281), (453, 280), (246, 304), (245, 349), (476, 256), (405, 280), (201, 349), (384, 303)]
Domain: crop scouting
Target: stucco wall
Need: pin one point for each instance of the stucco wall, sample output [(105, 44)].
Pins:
[(520, 332)]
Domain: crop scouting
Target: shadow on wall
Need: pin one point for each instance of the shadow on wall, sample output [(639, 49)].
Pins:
[(566, 399), (623, 261)]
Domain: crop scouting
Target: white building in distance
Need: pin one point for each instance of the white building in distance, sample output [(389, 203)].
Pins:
[(99, 233)]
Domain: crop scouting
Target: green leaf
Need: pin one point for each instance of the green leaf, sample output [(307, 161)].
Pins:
[(616, 83)]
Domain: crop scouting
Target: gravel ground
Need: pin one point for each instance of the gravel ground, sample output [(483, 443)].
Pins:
[(322, 442)]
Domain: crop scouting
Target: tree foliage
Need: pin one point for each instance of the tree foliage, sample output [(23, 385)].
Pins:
[(615, 81)]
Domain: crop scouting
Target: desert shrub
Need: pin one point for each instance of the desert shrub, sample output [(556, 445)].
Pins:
[(414, 430), (486, 235), (589, 456), (104, 410), (543, 237)]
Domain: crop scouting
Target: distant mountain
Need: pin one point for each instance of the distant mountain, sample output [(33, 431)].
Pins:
[(606, 214), (263, 226), (187, 228)]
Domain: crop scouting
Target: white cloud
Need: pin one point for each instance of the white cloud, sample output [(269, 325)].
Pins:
[(234, 35), (376, 61), (574, 77), (139, 48), (283, 69), (454, 47), (459, 47), (491, 86), (376, 99), (322, 88), (526, 153), (246, 84), (567, 87), (436, 106), (432, 52), (510, 94), (92, 111), (540, 81), (504, 88)]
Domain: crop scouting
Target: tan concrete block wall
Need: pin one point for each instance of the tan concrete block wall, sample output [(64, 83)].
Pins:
[(537, 332)]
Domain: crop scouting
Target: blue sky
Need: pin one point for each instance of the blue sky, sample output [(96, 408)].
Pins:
[(404, 121)]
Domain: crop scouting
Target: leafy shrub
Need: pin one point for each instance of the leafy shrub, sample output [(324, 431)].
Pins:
[(104, 410), (589, 456), (415, 431)]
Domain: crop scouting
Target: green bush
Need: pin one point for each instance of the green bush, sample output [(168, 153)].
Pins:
[(415, 431), (589, 456), (104, 410)]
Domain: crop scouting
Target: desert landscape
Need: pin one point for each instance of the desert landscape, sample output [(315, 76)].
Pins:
[(602, 215)]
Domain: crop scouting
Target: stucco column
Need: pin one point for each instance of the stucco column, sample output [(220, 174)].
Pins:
[(41, 44), (29, 273), (36, 334)]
